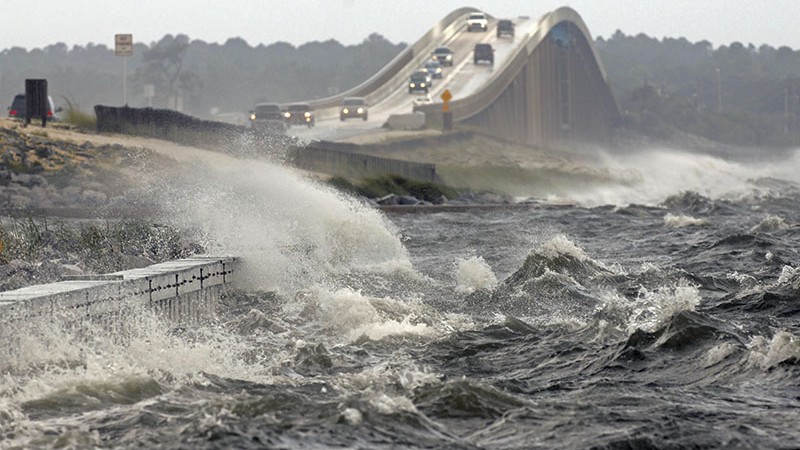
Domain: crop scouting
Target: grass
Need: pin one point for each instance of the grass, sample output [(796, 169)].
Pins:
[(80, 119), (98, 247)]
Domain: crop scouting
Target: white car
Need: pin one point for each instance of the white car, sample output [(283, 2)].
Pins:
[(477, 21), (423, 100)]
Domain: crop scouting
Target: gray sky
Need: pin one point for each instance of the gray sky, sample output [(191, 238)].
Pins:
[(79, 22)]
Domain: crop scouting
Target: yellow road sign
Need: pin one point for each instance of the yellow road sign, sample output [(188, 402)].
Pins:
[(446, 95)]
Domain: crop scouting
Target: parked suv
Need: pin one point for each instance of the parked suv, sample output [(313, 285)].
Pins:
[(353, 107), (505, 27), (483, 53), (299, 114), (17, 109), (477, 22)]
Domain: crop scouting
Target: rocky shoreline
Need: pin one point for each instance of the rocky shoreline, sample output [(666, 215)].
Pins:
[(39, 173), (64, 209)]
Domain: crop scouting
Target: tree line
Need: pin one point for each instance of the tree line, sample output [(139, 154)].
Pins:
[(735, 93), (199, 78)]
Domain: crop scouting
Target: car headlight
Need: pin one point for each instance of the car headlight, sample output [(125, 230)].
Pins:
[(411, 85), (360, 110), (252, 117), (345, 111), (422, 85), (287, 114), (307, 114), (449, 57)]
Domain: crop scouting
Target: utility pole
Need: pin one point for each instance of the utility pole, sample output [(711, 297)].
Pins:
[(719, 91), (786, 110)]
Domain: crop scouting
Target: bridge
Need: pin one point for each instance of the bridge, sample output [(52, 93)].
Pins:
[(546, 87)]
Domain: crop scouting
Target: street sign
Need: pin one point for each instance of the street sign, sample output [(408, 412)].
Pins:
[(446, 96), (123, 44)]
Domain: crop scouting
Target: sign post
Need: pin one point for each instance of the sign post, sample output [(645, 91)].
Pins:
[(123, 46), (447, 116)]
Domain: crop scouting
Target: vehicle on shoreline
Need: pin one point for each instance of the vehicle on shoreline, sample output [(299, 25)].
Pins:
[(17, 109)]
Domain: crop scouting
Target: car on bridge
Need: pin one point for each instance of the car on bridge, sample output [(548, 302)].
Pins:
[(299, 114), (421, 100), (444, 55), (433, 68), (418, 82), (483, 53), (505, 27), (353, 107), (267, 116), (477, 22)]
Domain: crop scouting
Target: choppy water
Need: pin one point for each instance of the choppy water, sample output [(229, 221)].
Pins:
[(657, 314)]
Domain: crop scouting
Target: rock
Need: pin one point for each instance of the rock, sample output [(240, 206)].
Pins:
[(388, 200), (5, 177), (407, 200), (45, 152), (28, 180)]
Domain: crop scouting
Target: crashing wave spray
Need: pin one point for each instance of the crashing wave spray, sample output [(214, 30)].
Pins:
[(664, 172), (289, 231)]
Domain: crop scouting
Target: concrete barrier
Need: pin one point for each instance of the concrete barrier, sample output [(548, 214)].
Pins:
[(411, 121), (183, 289)]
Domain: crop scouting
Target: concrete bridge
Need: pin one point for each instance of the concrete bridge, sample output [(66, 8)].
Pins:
[(546, 87)]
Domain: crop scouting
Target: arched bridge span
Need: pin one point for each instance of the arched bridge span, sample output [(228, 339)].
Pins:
[(553, 90), (546, 88)]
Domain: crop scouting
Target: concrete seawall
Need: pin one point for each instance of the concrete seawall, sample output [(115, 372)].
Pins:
[(181, 289)]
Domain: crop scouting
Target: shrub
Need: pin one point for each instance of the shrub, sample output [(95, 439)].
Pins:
[(80, 119)]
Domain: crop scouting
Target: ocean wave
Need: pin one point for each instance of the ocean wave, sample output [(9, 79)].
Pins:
[(681, 220), (770, 223)]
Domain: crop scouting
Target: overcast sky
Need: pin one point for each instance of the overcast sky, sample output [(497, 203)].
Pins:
[(79, 22)]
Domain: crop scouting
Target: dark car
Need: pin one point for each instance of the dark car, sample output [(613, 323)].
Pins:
[(353, 107), (299, 114), (444, 55), (483, 53), (267, 116), (17, 109), (418, 82), (505, 27), (433, 68)]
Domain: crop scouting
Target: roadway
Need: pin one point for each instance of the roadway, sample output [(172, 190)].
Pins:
[(462, 79)]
